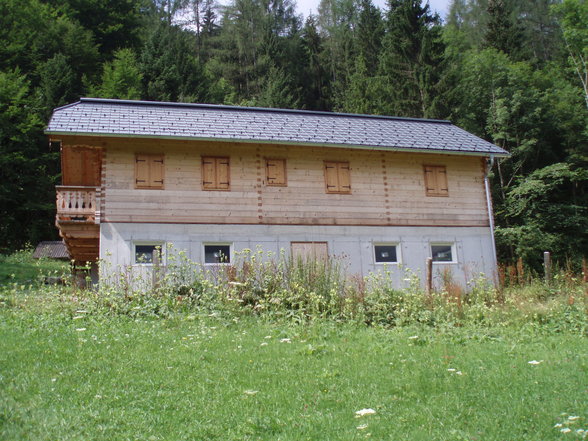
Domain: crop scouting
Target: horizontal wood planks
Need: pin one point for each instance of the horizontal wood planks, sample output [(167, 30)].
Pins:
[(387, 188)]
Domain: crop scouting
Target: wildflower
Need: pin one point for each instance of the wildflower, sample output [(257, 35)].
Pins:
[(285, 340), (558, 425), (458, 373), (267, 336), (566, 430), (250, 392), (80, 329), (263, 344), (451, 370), (362, 427), (413, 337), (573, 418), (364, 412), (535, 362)]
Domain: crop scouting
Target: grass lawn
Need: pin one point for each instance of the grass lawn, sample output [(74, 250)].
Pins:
[(20, 267), (79, 377)]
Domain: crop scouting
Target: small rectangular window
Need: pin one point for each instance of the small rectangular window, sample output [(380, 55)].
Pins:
[(217, 253), (442, 252), (215, 173), (149, 171), (386, 253), (145, 254), (275, 172), (337, 177), (436, 180)]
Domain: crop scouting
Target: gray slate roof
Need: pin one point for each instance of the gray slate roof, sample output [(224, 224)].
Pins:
[(104, 117), (51, 249)]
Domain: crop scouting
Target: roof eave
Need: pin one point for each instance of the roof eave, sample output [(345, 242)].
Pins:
[(280, 142)]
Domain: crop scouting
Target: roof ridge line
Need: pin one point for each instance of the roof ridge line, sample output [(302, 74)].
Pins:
[(252, 109)]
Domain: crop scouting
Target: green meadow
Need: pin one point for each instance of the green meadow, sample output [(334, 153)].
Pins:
[(74, 367)]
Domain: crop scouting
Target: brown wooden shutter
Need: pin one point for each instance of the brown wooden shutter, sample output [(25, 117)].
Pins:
[(142, 171), (276, 172), (222, 173), (331, 177), (208, 173), (442, 187), (156, 170), (436, 180), (343, 175), (215, 173)]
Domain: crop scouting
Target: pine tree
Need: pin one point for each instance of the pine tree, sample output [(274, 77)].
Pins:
[(412, 59)]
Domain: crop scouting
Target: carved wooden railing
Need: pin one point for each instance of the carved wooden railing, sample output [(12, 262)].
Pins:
[(76, 203)]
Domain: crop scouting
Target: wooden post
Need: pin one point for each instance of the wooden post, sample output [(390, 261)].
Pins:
[(547, 266), (429, 276), (156, 262)]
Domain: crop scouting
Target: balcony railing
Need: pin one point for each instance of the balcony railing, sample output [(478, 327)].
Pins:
[(76, 203)]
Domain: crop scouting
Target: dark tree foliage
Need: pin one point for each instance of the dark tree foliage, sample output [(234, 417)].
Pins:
[(170, 69), (412, 59)]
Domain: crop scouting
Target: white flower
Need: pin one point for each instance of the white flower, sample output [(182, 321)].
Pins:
[(363, 426), (558, 425), (267, 336), (364, 412), (535, 362), (250, 392), (80, 329), (263, 344), (565, 430), (285, 340), (412, 337), (451, 370), (573, 417), (458, 373)]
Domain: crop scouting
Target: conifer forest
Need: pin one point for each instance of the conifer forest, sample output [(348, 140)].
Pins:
[(514, 72)]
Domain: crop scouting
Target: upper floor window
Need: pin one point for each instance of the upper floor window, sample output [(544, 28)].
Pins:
[(436, 180), (275, 172), (215, 173), (149, 171), (337, 177)]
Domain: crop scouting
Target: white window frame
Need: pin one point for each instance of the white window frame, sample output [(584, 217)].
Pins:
[(445, 244), (155, 243), (224, 244), (387, 244)]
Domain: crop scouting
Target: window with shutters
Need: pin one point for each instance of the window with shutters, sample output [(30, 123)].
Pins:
[(337, 177), (436, 180), (215, 173), (275, 172), (149, 171)]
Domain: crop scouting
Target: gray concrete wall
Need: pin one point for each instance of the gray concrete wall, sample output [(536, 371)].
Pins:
[(354, 245)]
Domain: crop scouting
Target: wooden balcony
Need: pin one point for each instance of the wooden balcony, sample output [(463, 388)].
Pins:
[(77, 204), (78, 218)]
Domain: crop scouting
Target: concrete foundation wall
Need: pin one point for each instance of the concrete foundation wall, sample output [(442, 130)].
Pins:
[(354, 245)]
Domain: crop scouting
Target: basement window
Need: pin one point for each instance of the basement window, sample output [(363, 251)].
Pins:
[(386, 253), (443, 252), (144, 253), (217, 253)]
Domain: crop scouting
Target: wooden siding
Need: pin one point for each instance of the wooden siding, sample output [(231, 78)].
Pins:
[(388, 188)]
